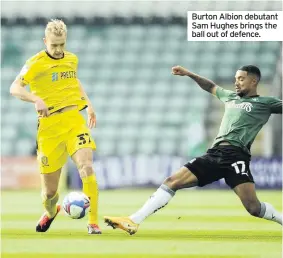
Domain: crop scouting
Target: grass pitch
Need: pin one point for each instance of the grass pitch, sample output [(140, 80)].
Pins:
[(196, 224)]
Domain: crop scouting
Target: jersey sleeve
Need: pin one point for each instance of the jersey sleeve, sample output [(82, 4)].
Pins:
[(76, 62), (275, 105), (28, 73), (223, 94)]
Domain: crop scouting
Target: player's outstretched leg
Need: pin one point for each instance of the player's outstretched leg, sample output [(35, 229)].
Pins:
[(50, 198), (247, 194), (83, 160), (183, 178), (124, 223)]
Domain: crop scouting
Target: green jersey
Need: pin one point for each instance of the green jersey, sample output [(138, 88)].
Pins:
[(244, 117)]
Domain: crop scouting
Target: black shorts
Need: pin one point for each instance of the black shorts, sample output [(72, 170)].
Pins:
[(224, 161)]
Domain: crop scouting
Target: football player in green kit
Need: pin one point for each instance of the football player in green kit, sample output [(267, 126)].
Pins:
[(229, 157)]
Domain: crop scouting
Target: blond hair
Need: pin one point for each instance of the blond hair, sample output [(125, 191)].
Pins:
[(56, 27)]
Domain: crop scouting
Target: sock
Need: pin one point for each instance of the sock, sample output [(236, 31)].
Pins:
[(90, 189), (268, 212), (50, 204), (157, 201)]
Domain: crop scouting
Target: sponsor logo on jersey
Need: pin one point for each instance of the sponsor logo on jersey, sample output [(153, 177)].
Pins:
[(244, 105), (68, 75), (54, 77), (63, 75)]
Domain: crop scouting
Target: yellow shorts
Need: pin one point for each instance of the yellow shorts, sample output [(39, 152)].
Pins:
[(61, 135)]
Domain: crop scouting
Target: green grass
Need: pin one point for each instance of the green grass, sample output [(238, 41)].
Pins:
[(196, 224)]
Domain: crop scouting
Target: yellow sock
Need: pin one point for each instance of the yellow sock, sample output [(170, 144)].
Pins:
[(50, 204), (90, 189)]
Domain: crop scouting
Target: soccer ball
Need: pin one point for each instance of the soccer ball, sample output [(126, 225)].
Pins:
[(76, 205)]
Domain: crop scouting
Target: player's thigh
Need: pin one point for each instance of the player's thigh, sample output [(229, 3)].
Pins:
[(83, 158), (205, 168), (79, 137), (237, 171), (51, 155), (182, 178), (51, 147), (50, 182)]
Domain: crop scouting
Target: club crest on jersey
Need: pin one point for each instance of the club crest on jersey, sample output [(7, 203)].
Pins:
[(44, 161), (244, 105), (54, 77)]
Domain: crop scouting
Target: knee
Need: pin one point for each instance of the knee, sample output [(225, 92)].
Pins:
[(85, 169), (253, 208), (172, 183), (49, 193), (183, 178)]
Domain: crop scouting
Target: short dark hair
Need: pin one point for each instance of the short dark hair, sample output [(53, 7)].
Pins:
[(251, 69)]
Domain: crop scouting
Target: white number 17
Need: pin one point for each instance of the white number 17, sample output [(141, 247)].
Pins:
[(237, 169)]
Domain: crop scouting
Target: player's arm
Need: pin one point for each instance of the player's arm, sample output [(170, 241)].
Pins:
[(275, 105), (19, 91), (90, 110), (204, 83)]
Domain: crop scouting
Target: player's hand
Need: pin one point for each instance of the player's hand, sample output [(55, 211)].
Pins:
[(179, 70), (41, 107), (91, 118)]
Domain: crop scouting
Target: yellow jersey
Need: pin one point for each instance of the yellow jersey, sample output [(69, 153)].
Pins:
[(54, 80)]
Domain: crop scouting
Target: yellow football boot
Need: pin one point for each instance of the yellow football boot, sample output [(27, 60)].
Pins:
[(123, 223)]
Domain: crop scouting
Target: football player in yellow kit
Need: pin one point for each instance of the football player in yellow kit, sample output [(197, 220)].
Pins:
[(58, 97)]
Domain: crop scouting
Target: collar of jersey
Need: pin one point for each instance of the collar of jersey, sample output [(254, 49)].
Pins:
[(248, 97), (54, 57)]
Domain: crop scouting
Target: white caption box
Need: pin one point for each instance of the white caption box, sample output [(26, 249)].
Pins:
[(235, 26)]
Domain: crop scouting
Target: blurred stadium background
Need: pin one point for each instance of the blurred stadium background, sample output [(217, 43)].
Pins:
[(148, 121)]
